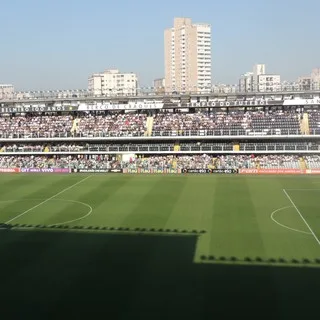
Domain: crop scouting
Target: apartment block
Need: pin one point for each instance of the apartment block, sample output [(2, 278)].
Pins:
[(113, 82), (187, 49)]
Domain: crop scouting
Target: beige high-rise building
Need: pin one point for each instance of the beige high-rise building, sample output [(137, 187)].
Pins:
[(187, 49)]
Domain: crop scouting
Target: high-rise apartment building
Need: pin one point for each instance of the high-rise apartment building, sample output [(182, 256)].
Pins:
[(112, 82), (258, 69), (187, 49), (245, 82)]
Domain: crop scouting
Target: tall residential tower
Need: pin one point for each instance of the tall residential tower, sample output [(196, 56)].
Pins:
[(187, 49)]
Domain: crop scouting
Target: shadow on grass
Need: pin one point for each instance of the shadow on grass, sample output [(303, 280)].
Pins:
[(58, 274)]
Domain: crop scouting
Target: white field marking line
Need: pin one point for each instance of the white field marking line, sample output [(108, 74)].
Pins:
[(282, 225), (77, 219), (284, 190), (43, 202), (63, 200)]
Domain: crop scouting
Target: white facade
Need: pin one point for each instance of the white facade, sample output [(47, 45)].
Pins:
[(269, 83), (6, 91), (245, 82), (289, 86), (259, 81), (258, 69), (224, 88), (112, 82), (304, 83), (187, 49), (315, 79)]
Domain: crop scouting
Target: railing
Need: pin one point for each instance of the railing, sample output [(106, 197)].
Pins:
[(230, 132), (37, 135), (153, 91), (160, 134), (216, 148)]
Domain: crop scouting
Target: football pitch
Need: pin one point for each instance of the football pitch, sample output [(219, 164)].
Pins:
[(159, 246), (238, 218)]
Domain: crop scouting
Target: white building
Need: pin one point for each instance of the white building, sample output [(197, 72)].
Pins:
[(258, 69), (304, 83), (259, 81), (289, 86), (315, 79), (224, 88), (245, 82), (6, 91), (269, 83), (112, 82), (187, 49)]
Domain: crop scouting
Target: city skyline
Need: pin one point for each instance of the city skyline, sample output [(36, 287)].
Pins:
[(59, 50)]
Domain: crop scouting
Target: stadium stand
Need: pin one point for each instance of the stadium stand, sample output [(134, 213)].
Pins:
[(206, 138), (314, 121), (218, 123), (168, 161)]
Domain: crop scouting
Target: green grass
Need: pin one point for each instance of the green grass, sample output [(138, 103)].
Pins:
[(51, 273), (235, 211)]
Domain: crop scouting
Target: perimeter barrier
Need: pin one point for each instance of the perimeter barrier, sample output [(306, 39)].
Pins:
[(165, 171)]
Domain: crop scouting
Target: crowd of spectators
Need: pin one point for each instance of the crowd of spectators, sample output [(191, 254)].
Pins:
[(131, 124), (44, 125), (313, 161), (201, 121), (61, 161), (219, 122), (87, 125), (230, 123), (159, 162)]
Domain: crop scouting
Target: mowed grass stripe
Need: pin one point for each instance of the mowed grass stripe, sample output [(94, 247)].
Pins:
[(37, 190), (235, 210), (55, 211), (120, 196), (155, 208), (307, 203), (194, 210), (279, 242), (61, 208), (26, 260), (98, 193), (193, 207), (13, 182), (291, 244), (235, 230)]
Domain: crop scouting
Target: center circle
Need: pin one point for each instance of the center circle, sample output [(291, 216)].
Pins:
[(73, 216)]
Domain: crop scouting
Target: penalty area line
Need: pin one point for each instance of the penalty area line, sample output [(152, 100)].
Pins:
[(304, 220), (44, 201)]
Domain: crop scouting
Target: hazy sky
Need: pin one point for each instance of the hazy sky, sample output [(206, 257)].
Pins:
[(57, 44)]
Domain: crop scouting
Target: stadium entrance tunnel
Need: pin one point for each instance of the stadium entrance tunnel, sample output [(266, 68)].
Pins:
[(88, 274)]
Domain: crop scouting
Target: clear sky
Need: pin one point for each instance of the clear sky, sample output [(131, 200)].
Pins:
[(57, 44)]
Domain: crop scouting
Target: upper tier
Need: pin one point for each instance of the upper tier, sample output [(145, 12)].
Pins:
[(219, 123)]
